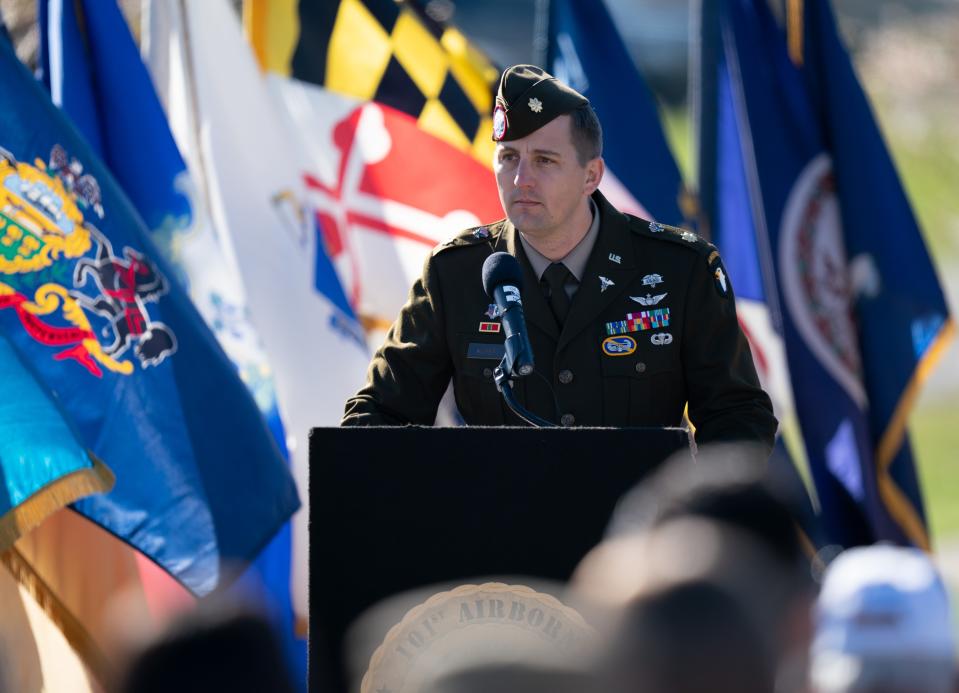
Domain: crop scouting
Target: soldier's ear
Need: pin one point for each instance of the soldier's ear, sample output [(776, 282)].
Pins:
[(594, 174)]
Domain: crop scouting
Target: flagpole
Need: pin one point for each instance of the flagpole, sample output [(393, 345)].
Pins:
[(540, 33), (701, 86)]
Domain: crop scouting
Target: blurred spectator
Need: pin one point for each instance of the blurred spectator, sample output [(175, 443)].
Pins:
[(883, 625), (746, 541), (614, 582), (212, 649), (687, 638)]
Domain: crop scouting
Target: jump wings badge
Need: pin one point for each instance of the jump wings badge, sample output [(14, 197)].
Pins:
[(45, 234)]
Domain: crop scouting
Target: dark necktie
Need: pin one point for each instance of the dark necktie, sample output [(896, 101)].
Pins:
[(555, 278)]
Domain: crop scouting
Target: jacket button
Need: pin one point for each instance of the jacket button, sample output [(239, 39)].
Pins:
[(640, 367), (487, 372), (566, 376), (567, 420)]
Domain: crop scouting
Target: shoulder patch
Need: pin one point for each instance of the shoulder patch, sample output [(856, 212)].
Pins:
[(473, 236), (715, 264)]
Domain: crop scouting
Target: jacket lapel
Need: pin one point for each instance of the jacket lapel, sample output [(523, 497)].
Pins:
[(604, 279)]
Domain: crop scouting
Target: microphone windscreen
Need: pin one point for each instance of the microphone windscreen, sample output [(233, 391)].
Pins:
[(501, 268)]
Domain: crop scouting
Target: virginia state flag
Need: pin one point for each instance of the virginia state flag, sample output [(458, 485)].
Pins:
[(587, 52), (89, 305), (805, 203)]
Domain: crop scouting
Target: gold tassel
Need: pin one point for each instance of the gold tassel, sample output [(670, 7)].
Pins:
[(794, 28), (65, 490), (75, 633)]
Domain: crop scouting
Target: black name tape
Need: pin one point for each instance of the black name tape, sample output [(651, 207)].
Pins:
[(479, 350)]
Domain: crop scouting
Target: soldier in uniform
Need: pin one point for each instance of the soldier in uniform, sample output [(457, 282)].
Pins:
[(629, 320)]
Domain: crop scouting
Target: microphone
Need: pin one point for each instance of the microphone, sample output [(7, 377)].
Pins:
[(502, 277)]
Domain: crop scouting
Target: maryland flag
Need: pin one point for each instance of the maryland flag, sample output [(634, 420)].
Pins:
[(393, 114), (384, 51)]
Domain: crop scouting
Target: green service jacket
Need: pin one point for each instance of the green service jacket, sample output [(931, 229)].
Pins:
[(652, 326)]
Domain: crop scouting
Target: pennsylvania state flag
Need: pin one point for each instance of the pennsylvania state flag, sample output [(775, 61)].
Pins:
[(804, 201), (88, 304), (42, 464), (386, 51)]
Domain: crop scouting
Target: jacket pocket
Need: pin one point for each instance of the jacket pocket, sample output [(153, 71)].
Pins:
[(475, 358), (641, 388)]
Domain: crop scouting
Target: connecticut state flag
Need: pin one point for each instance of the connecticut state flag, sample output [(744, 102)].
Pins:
[(90, 306)]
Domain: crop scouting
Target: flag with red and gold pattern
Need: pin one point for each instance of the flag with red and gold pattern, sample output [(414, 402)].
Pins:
[(393, 112)]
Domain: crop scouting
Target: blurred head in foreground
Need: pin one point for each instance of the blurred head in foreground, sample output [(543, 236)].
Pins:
[(692, 637), (211, 649), (716, 521), (883, 624)]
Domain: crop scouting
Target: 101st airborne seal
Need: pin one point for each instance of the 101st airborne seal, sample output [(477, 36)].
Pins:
[(474, 625)]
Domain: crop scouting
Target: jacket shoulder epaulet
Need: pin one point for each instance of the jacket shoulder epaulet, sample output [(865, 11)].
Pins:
[(688, 239), (673, 234), (476, 235)]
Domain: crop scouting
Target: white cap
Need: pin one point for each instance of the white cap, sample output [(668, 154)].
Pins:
[(877, 604)]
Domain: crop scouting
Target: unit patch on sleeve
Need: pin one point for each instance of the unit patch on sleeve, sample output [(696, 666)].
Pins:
[(720, 280)]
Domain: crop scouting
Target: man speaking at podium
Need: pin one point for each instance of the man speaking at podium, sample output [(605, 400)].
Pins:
[(628, 319)]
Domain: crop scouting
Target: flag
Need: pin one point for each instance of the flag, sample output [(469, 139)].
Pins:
[(94, 72), (43, 466), (92, 68), (586, 52), (803, 199), (87, 585), (226, 123), (37, 656), (385, 51), (88, 304), (394, 113)]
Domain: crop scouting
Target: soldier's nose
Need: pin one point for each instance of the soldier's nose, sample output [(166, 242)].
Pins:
[(522, 179)]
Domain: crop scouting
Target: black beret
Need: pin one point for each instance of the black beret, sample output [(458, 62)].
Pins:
[(527, 99)]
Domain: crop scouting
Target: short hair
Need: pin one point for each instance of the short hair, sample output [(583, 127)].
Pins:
[(587, 133)]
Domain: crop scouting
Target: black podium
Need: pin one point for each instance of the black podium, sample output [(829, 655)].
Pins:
[(397, 508)]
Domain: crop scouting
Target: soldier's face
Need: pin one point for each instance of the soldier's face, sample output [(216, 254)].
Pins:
[(541, 183)]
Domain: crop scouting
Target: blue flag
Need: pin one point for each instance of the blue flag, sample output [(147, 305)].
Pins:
[(92, 67), (88, 304), (802, 198), (586, 52), (43, 466)]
